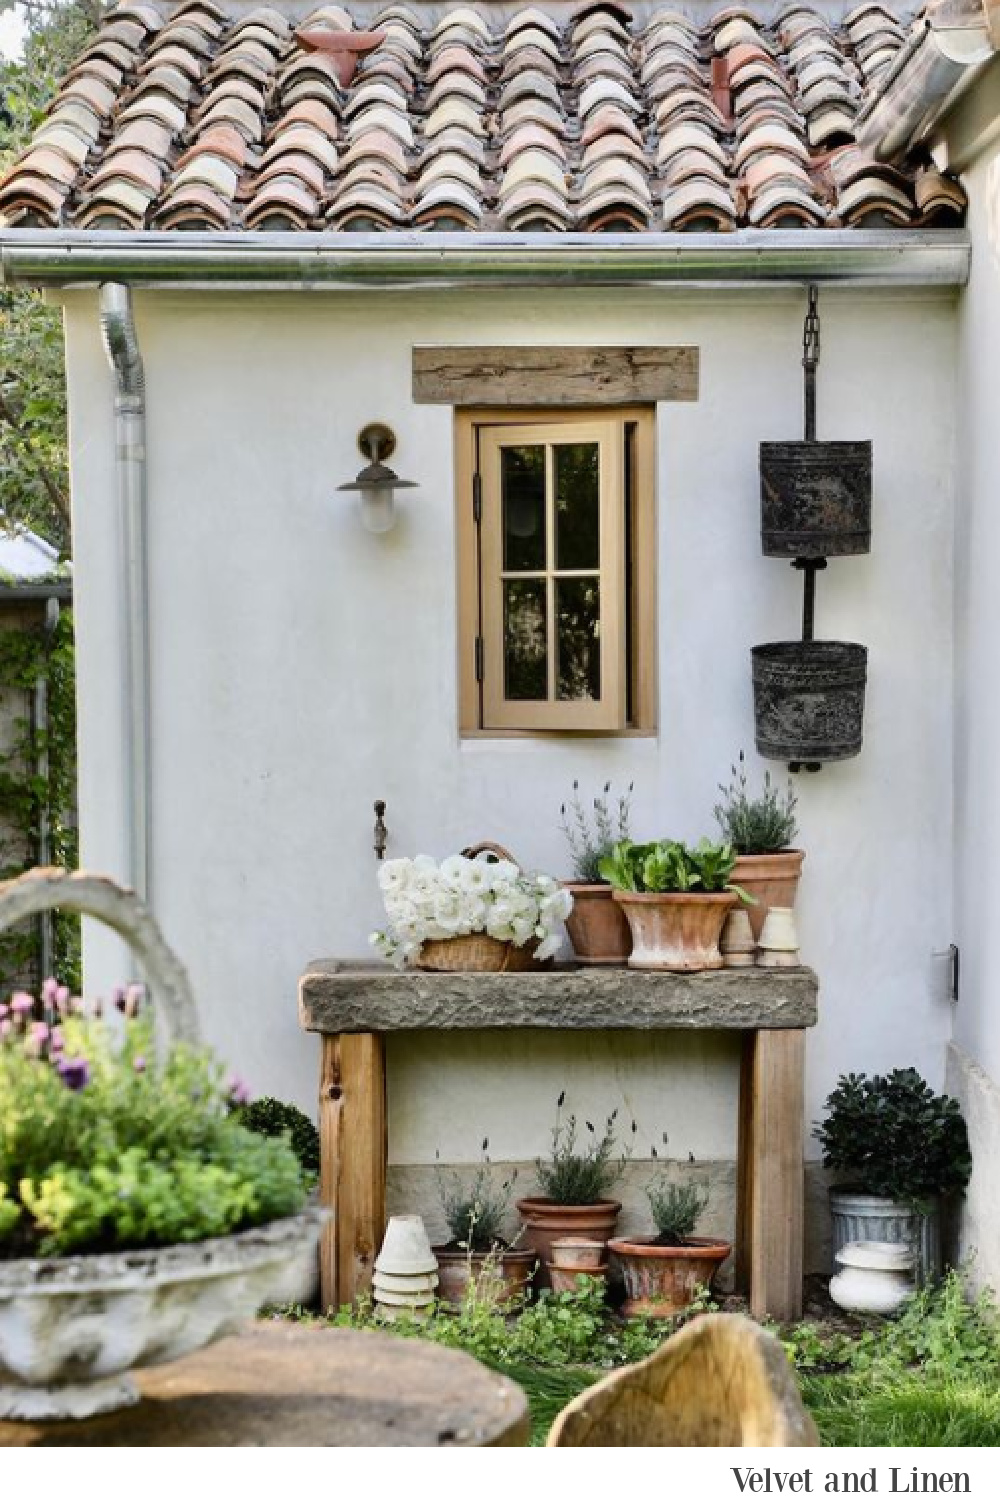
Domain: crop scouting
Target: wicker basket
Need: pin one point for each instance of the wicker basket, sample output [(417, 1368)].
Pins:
[(477, 952)]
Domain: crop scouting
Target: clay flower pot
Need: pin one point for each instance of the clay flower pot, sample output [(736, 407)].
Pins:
[(676, 931), (546, 1221), (597, 927), (505, 1278), (739, 951), (406, 1250), (579, 1254), (661, 1280), (779, 941), (570, 1278), (773, 879)]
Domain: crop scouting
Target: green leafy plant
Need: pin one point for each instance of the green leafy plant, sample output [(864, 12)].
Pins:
[(761, 824), (105, 1146), (893, 1136), (676, 1209), (592, 835), (669, 866), (271, 1117), (580, 1176), (475, 1210)]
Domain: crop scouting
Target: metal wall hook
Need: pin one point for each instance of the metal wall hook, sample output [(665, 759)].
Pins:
[(381, 832)]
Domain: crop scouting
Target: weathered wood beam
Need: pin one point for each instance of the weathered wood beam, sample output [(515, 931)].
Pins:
[(523, 376)]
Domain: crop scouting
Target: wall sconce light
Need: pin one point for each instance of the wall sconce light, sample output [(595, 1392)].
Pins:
[(376, 484)]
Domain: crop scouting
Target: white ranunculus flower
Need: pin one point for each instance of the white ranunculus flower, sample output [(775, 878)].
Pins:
[(448, 912), (504, 870), (548, 948), (522, 930), (394, 874), (452, 871), (557, 906)]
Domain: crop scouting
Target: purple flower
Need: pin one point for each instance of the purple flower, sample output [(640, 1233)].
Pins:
[(134, 996), (62, 999), (139, 1063), (74, 1072), (118, 996), (4, 1012), (49, 989), (56, 1040), (5, 1029), (21, 1004), (239, 1091)]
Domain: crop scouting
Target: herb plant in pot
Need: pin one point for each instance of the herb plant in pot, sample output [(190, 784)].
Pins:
[(575, 1182), (663, 1272), (139, 1220), (597, 925), (676, 899), (477, 1254), (761, 829), (900, 1150)]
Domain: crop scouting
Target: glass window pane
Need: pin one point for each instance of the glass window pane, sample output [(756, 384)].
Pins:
[(525, 643), (578, 637), (578, 530), (522, 481)]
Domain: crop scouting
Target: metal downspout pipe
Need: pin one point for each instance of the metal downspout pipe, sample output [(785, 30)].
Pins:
[(122, 348)]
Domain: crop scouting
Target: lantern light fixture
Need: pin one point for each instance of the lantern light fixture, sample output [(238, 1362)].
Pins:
[(376, 483)]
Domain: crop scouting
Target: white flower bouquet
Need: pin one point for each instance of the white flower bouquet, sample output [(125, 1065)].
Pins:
[(430, 902)]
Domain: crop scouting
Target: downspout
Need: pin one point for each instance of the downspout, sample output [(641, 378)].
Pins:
[(122, 348), (40, 725)]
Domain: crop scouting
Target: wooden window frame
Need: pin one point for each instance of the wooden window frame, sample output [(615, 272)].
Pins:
[(641, 540)]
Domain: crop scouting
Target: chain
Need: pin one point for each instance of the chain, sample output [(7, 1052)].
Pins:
[(810, 360)]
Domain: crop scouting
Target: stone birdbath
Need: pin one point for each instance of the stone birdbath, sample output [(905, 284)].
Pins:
[(72, 1327)]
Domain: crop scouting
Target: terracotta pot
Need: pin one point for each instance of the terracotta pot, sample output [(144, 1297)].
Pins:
[(508, 1276), (597, 926), (546, 1221), (772, 878), (676, 931), (569, 1278), (579, 1254), (661, 1280)]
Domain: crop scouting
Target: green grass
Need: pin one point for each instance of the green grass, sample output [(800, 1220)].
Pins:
[(929, 1378)]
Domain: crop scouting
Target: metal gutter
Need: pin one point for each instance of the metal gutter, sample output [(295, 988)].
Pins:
[(14, 592), (122, 348), (929, 74), (411, 260)]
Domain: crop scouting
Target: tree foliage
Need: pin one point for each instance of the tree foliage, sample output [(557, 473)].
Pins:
[(34, 475)]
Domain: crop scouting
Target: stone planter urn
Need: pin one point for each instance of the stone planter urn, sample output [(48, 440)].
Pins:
[(873, 1278), (863, 1216), (72, 1327)]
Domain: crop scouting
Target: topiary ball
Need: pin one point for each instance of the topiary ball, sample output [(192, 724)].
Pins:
[(271, 1117)]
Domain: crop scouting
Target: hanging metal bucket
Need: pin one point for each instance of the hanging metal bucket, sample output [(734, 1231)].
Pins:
[(809, 699), (815, 499)]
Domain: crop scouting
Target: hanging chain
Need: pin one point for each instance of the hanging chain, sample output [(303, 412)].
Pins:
[(810, 361)]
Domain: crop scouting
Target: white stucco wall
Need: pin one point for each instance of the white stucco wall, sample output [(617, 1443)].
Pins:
[(302, 668), (974, 1064)]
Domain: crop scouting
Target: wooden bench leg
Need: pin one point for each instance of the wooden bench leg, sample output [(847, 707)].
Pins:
[(352, 1127), (769, 1246)]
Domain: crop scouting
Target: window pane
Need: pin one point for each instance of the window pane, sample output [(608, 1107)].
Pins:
[(578, 535), (524, 634), (578, 630), (523, 485)]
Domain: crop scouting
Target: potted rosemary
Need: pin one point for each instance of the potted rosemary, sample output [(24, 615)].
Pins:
[(477, 1254), (899, 1149), (663, 1272), (761, 828), (676, 899), (596, 926), (575, 1181)]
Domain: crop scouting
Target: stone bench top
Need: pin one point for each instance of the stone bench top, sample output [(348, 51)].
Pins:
[(352, 995)]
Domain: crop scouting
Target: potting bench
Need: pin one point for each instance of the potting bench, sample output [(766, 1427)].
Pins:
[(355, 1005)]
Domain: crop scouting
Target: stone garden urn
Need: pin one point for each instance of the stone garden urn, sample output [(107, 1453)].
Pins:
[(72, 1327)]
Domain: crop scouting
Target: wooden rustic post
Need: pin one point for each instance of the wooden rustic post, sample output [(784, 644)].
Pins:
[(771, 1178), (353, 1148)]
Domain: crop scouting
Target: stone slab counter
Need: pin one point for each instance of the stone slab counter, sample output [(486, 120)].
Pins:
[(352, 995)]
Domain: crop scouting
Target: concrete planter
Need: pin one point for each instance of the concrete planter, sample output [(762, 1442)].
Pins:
[(863, 1216), (72, 1328)]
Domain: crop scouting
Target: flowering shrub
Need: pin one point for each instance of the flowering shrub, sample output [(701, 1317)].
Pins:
[(425, 901), (105, 1146)]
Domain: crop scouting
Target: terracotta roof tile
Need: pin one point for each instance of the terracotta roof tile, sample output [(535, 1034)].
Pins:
[(216, 117)]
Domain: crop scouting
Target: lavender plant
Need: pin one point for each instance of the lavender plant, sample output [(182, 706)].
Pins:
[(573, 1175), (762, 824), (475, 1209), (592, 834), (105, 1146)]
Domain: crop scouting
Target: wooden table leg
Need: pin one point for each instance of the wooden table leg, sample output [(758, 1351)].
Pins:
[(769, 1247), (353, 1149)]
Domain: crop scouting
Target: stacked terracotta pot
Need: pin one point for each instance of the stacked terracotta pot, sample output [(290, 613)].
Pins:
[(406, 1272), (574, 1258)]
